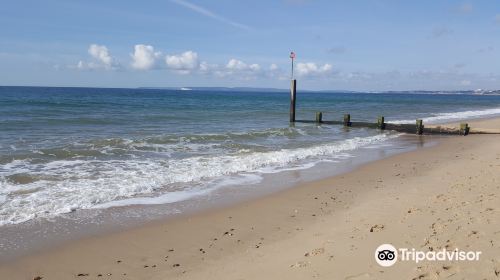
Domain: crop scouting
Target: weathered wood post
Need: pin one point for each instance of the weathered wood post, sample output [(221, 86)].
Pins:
[(420, 127), (464, 129), (380, 122), (293, 95), (347, 120), (319, 117)]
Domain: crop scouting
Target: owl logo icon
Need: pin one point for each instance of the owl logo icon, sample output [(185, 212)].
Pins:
[(386, 255)]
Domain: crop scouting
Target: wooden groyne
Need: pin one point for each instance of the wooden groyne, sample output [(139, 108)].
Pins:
[(417, 128)]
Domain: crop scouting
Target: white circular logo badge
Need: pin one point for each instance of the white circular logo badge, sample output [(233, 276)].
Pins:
[(386, 255)]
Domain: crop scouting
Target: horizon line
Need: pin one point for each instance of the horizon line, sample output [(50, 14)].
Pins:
[(257, 88)]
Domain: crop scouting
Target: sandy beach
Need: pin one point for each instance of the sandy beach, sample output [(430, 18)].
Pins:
[(445, 196), (242, 140)]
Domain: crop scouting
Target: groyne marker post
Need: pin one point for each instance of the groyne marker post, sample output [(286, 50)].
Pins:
[(319, 117), (347, 120), (293, 95), (420, 127), (464, 129), (293, 91), (381, 123)]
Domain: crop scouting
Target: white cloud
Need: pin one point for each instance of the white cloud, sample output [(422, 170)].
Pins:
[(209, 14), (235, 64), (356, 76), (101, 54), (102, 59), (254, 67), (312, 69), (238, 65), (275, 72), (144, 57), (206, 67), (233, 68), (240, 69), (81, 65), (184, 63)]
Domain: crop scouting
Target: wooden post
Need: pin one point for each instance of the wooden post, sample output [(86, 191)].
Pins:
[(420, 127), (293, 95), (347, 120), (464, 129), (380, 122), (319, 117)]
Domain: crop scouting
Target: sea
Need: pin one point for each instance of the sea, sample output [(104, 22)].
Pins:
[(85, 156)]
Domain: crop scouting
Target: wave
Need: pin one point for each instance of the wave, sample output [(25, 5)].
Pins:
[(453, 116), (166, 145), (176, 196), (62, 186)]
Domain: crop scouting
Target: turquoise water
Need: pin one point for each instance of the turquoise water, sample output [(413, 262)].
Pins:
[(66, 149)]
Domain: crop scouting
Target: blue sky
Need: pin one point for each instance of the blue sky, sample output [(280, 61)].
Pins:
[(353, 45)]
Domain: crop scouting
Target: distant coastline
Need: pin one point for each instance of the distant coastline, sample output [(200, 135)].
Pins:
[(254, 89), (269, 90)]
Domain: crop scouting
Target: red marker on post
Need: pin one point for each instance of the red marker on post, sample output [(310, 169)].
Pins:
[(292, 56)]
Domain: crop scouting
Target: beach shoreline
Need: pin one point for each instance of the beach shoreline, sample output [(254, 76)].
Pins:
[(38, 235), (321, 229)]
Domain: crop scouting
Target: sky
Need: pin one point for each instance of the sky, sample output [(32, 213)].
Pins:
[(369, 45)]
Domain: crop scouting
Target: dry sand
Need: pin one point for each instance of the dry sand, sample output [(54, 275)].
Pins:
[(446, 196)]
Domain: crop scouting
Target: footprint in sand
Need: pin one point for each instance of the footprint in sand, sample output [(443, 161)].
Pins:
[(300, 264), (474, 233), (421, 276), (377, 228), (447, 271), (315, 252)]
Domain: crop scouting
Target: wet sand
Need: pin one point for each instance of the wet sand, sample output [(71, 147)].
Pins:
[(445, 196)]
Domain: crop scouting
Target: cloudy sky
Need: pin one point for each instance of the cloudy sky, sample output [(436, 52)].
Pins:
[(352, 45)]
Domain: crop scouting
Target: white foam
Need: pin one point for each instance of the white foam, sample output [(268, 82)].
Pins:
[(271, 170), (83, 183), (162, 199), (443, 117), (177, 196)]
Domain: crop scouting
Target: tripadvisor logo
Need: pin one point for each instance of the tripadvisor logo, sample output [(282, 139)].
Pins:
[(387, 255)]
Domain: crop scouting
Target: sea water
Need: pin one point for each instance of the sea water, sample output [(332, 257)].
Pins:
[(77, 149)]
